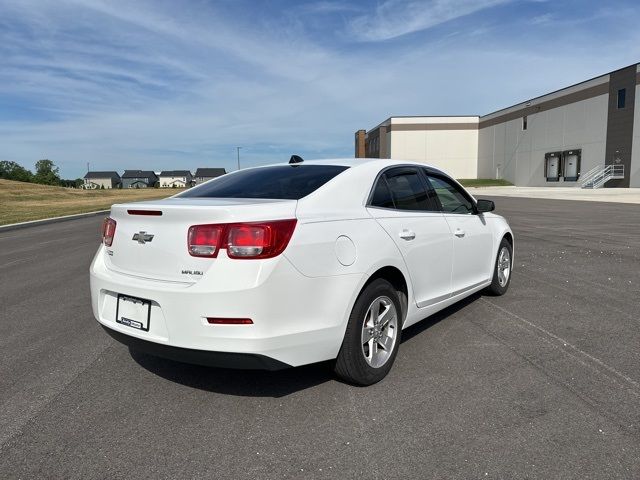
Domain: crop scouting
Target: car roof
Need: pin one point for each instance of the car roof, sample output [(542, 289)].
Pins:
[(357, 162)]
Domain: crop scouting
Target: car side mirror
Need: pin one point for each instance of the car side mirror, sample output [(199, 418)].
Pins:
[(485, 206)]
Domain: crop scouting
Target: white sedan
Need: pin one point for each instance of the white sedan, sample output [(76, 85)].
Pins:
[(290, 264)]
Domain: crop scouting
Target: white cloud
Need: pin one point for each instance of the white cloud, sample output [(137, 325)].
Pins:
[(393, 18), (159, 85), (543, 19), (134, 83), (325, 7)]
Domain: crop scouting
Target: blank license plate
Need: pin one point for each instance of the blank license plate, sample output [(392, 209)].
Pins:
[(133, 312)]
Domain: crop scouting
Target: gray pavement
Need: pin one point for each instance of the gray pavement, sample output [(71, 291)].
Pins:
[(540, 383)]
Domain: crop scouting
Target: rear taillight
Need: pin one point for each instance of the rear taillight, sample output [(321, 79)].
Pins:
[(246, 240), (108, 231), (242, 240), (205, 240)]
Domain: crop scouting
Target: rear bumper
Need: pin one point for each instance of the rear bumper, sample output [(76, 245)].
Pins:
[(297, 319), (244, 361)]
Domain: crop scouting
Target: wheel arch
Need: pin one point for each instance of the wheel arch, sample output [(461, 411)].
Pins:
[(399, 282), (508, 235)]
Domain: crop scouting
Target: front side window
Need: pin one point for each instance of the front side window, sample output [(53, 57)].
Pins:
[(451, 197), (286, 182)]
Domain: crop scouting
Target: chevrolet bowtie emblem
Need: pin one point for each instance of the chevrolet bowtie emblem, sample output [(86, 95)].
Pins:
[(142, 237)]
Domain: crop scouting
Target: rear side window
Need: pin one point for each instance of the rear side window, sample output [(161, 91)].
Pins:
[(408, 191), (286, 182), (382, 195)]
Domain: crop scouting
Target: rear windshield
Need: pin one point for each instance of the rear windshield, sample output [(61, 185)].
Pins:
[(287, 182)]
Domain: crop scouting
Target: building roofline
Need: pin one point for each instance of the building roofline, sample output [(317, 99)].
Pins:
[(523, 102), (388, 120), (532, 99), (173, 173), (210, 170)]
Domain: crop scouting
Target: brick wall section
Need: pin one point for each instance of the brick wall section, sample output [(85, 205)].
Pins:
[(360, 143)]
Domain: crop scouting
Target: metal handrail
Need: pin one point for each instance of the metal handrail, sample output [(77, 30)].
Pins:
[(598, 176), (617, 171), (591, 173)]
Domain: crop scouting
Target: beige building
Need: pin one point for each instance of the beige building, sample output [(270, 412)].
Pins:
[(583, 135), (101, 180), (449, 143)]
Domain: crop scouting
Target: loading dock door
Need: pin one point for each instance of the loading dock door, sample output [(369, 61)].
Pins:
[(571, 165), (552, 166)]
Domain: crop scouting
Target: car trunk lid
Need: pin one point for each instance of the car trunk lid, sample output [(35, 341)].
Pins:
[(151, 237)]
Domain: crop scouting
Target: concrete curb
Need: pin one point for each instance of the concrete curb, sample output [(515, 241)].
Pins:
[(608, 195), (46, 221)]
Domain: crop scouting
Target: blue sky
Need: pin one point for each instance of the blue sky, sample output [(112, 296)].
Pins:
[(167, 84)]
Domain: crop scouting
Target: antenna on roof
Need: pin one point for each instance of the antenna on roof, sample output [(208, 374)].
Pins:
[(296, 159)]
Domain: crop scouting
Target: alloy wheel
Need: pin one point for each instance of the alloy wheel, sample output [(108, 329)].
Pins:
[(504, 266), (379, 331)]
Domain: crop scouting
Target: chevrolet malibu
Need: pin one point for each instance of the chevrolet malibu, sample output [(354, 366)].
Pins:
[(290, 264)]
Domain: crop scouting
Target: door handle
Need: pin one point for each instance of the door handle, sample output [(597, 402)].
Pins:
[(459, 233), (407, 234)]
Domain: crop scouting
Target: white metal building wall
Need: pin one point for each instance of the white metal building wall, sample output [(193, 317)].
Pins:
[(518, 155)]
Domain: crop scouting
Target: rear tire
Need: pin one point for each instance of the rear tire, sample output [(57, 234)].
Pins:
[(502, 269), (372, 337)]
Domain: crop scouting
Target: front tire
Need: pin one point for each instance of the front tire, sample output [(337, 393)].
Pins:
[(372, 337), (502, 269)]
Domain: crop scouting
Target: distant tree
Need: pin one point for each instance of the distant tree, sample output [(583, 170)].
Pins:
[(77, 183), (46, 173), (14, 171)]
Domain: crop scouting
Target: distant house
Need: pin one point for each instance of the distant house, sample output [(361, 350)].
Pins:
[(175, 179), (205, 174), (94, 180), (139, 179)]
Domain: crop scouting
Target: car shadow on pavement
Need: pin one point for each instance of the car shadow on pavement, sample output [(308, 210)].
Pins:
[(429, 322), (242, 383), (261, 383)]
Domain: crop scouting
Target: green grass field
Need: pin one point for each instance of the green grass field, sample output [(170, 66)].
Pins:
[(483, 182), (21, 202)]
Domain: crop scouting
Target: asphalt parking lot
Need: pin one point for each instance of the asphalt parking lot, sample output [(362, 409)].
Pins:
[(541, 383)]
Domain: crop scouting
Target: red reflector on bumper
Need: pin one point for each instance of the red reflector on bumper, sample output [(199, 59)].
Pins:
[(229, 321)]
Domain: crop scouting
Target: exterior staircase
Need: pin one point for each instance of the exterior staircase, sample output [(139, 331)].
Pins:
[(598, 176)]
